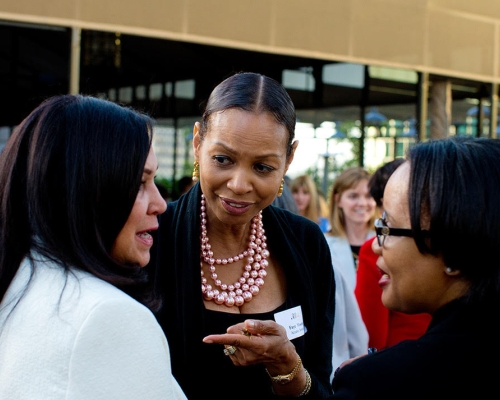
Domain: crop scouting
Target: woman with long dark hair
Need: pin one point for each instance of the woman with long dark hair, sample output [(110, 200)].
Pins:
[(78, 204)]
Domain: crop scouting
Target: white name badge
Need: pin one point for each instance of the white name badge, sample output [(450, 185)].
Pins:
[(292, 321)]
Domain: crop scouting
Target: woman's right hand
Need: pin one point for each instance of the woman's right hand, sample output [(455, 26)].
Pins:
[(258, 342), (264, 342)]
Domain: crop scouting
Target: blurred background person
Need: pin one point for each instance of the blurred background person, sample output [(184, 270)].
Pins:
[(351, 218), (305, 194), (352, 214), (78, 203), (350, 337), (286, 200), (351, 211), (183, 185), (378, 180), (162, 188), (385, 327)]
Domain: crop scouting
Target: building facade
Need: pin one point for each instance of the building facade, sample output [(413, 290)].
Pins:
[(381, 73)]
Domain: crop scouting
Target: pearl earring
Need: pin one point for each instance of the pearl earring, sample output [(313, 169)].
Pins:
[(196, 171), (280, 190)]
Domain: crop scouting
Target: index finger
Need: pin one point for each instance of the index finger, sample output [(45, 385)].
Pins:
[(232, 339)]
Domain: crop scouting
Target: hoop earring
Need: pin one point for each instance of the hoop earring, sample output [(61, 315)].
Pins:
[(280, 190), (196, 171)]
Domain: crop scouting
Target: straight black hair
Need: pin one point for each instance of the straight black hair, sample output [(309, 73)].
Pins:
[(252, 92), (455, 193), (69, 177)]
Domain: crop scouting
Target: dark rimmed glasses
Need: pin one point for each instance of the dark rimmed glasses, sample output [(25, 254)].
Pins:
[(383, 230)]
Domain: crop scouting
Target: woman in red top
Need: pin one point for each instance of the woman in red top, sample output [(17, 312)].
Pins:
[(385, 327)]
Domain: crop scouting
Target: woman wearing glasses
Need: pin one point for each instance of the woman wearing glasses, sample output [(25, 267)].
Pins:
[(385, 327), (438, 247)]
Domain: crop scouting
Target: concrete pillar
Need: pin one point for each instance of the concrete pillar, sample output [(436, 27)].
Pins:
[(422, 107), (74, 74), (440, 109), (494, 111)]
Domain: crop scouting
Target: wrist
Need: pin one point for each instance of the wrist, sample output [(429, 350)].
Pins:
[(286, 378), (307, 388)]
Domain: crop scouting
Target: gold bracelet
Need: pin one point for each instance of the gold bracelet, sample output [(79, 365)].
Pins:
[(308, 384), (284, 379)]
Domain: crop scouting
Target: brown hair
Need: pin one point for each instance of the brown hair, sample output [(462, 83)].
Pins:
[(347, 179), (307, 184)]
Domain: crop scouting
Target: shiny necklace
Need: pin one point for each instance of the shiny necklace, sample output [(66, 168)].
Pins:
[(254, 272)]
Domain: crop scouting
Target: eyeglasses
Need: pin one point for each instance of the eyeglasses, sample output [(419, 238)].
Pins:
[(383, 230)]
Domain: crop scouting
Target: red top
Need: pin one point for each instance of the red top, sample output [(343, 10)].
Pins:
[(385, 327)]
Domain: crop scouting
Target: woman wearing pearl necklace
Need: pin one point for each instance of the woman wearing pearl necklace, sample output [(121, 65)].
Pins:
[(248, 288)]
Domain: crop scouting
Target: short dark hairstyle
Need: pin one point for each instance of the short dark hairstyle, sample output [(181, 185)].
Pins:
[(255, 93), (379, 179), (454, 192), (69, 177)]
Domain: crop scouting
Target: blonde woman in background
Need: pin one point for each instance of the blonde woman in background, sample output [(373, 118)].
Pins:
[(352, 213), (307, 198)]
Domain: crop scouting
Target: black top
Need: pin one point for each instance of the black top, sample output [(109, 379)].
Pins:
[(355, 255), (455, 359), (201, 369)]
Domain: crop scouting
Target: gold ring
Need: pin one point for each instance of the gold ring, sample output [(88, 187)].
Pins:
[(230, 350), (246, 333)]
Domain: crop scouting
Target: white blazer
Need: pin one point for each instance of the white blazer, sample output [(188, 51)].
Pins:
[(77, 337)]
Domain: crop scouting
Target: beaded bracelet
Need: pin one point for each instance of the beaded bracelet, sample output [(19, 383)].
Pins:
[(308, 384)]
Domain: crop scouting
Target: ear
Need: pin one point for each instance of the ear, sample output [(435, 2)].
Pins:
[(290, 159), (196, 139)]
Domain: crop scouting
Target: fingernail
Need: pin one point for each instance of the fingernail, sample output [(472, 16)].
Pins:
[(337, 370), (207, 341), (250, 323)]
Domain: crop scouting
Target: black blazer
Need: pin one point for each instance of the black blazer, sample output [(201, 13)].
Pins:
[(457, 358), (300, 247)]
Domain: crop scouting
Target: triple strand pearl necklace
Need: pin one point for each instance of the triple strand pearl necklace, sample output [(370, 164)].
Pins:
[(253, 275)]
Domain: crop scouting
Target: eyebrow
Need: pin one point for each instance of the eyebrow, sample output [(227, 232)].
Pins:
[(149, 171), (262, 156)]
